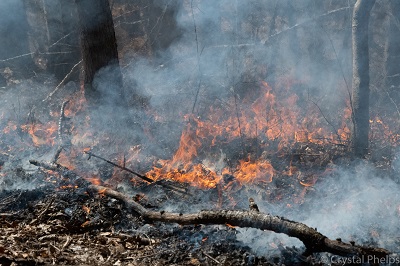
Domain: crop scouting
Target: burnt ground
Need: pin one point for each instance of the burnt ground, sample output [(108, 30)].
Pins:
[(68, 226)]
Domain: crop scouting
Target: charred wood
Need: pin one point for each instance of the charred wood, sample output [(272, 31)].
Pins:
[(312, 239), (49, 166)]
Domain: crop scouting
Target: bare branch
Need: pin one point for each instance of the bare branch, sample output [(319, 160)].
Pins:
[(312, 239), (62, 81)]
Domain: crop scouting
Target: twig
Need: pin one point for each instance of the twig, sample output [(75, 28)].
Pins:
[(307, 21), (67, 243), (59, 168), (393, 102), (326, 119), (211, 258), (15, 57), (197, 57), (175, 189), (312, 239), (56, 248), (142, 257), (62, 38), (135, 238), (343, 75), (45, 209), (238, 119), (62, 81), (11, 198), (48, 237), (145, 178), (49, 166)]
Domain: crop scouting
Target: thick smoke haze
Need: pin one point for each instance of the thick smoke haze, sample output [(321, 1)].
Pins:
[(224, 49), (226, 46)]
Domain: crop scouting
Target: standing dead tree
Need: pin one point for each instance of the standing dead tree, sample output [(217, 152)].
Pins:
[(361, 90)]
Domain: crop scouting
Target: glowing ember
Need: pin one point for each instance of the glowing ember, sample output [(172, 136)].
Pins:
[(94, 180), (86, 209)]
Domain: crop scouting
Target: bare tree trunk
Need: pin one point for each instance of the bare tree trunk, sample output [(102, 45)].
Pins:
[(14, 52), (99, 50), (361, 89), (52, 39), (393, 67)]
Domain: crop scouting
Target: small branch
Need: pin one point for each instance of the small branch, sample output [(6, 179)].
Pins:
[(393, 102), (49, 166), (15, 57), (145, 178), (326, 119), (67, 243), (307, 21), (171, 187), (62, 81), (43, 212), (197, 57), (313, 240), (211, 258)]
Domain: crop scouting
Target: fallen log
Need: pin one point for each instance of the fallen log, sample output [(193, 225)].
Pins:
[(312, 239)]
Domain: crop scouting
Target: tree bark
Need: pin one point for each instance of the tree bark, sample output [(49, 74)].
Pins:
[(99, 52), (361, 90)]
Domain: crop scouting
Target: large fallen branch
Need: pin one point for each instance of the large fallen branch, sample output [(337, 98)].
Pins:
[(312, 239)]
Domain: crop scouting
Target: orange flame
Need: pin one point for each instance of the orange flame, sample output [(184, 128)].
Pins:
[(86, 209), (42, 134), (249, 172)]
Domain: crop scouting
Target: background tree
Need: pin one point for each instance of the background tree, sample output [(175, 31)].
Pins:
[(361, 90), (53, 36), (15, 59), (99, 51)]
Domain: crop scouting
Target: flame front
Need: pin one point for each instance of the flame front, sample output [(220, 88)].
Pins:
[(236, 136), (272, 117)]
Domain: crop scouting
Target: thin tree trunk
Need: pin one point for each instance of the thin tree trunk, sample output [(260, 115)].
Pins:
[(99, 50), (361, 89)]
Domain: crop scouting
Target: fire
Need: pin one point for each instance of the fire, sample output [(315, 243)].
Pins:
[(195, 174), (261, 171), (102, 191), (76, 103), (94, 180), (11, 126), (270, 116), (86, 209), (249, 127), (189, 143), (42, 134), (230, 226)]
